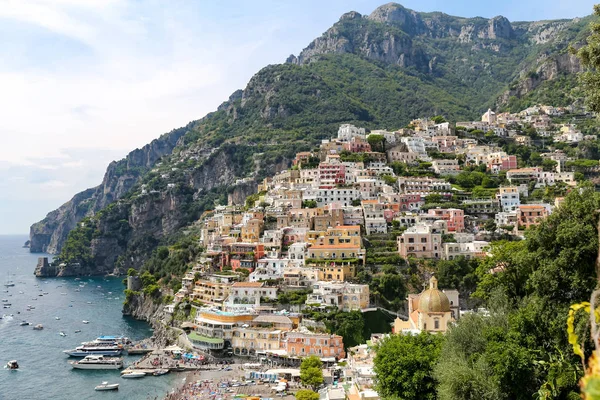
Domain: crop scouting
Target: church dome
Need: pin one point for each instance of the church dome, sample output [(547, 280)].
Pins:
[(433, 299)]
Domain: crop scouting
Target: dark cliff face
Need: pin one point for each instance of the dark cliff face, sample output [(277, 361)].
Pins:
[(49, 234)]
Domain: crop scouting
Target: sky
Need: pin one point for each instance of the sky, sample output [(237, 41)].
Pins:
[(83, 82)]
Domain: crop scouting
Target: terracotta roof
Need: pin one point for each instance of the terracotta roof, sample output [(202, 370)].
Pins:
[(335, 246), (531, 206), (248, 284)]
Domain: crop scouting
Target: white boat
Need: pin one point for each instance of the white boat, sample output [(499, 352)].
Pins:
[(112, 340), (160, 372), (9, 282), (61, 333), (12, 364), (98, 362), (57, 318), (133, 375), (38, 327), (85, 322), (83, 351), (107, 386)]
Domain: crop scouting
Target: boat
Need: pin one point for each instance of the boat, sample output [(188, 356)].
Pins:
[(78, 290), (57, 318), (85, 322), (160, 372), (77, 330), (38, 327), (12, 364), (112, 339), (133, 375), (4, 300), (61, 333), (9, 282), (25, 323), (84, 352), (98, 362), (21, 292), (107, 386)]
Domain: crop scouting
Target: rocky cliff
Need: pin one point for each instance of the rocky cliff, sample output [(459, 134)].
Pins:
[(49, 234), (144, 308)]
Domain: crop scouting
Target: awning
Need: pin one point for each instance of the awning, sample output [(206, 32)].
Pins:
[(205, 339)]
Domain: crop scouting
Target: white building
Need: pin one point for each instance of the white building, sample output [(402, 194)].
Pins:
[(346, 132)]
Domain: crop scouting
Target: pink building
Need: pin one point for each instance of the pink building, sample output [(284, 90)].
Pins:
[(357, 145), (453, 216), (332, 173)]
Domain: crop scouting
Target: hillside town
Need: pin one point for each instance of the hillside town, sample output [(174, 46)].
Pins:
[(297, 247)]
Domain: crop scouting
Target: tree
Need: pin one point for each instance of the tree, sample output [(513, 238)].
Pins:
[(404, 364), (438, 119), (309, 204), (349, 325), (590, 59), (304, 394), (490, 225), (377, 143), (433, 198), (311, 372), (481, 359)]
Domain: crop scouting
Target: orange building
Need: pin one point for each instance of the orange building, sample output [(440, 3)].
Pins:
[(530, 214), (300, 344)]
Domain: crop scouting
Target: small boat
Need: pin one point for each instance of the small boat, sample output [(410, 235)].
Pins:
[(12, 364), (21, 292), (25, 323), (4, 300), (133, 375), (63, 293), (107, 386), (57, 318), (85, 322), (78, 290), (89, 302), (160, 372), (45, 292), (61, 333), (38, 327), (78, 331)]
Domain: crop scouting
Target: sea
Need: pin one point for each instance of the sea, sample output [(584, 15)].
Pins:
[(45, 372)]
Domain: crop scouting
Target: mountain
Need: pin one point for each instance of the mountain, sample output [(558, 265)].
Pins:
[(377, 71)]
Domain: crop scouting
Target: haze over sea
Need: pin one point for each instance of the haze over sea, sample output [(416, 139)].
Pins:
[(44, 371)]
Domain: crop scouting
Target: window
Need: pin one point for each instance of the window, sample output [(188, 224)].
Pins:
[(436, 324)]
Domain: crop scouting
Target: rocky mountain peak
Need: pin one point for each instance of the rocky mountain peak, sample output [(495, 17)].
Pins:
[(500, 28), (350, 15), (394, 14)]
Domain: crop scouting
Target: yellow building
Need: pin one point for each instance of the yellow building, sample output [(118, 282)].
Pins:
[(428, 311), (252, 230), (335, 271), (211, 292)]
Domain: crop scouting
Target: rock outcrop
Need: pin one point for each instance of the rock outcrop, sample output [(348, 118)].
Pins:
[(144, 308), (44, 268)]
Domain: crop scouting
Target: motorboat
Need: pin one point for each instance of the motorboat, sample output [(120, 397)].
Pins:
[(160, 372), (77, 330), (98, 362), (25, 323), (107, 386), (12, 364), (4, 300), (86, 351), (85, 322), (61, 333), (112, 339), (133, 375), (38, 327), (57, 318)]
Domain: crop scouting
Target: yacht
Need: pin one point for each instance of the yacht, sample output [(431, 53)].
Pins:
[(85, 322), (83, 351), (107, 386), (113, 339), (98, 362), (133, 375)]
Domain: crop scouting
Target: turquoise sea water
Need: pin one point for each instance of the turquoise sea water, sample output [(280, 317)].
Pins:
[(44, 371)]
